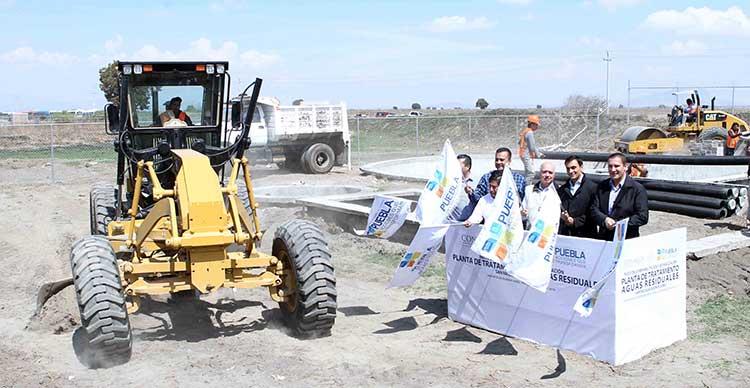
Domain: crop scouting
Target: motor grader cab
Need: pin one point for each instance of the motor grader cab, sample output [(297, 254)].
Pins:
[(175, 221), (704, 124)]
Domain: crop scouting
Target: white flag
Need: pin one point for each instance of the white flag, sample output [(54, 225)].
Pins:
[(441, 194), (502, 233), (533, 263), (425, 245), (387, 214), (585, 303)]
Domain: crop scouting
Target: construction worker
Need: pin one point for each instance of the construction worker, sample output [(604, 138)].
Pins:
[(691, 111), (173, 112), (527, 147), (733, 137)]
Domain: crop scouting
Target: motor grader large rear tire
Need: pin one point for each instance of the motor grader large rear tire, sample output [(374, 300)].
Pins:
[(311, 283), (105, 329), (102, 203)]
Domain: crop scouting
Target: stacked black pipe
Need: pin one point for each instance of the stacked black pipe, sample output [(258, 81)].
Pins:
[(701, 200)]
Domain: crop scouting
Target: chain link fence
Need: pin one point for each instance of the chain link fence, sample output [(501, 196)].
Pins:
[(376, 139), (54, 146), (62, 148)]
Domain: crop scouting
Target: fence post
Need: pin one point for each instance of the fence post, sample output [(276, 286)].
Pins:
[(417, 125), (359, 150), (468, 144), (627, 121), (597, 130), (52, 152)]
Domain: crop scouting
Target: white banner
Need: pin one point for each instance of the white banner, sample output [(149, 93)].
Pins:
[(442, 193), (586, 302), (642, 310), (423, 247), (533, 263), (387, 214), (502, 233)]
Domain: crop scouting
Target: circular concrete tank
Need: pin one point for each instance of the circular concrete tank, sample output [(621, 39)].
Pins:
[(420, 169), (287, 194)]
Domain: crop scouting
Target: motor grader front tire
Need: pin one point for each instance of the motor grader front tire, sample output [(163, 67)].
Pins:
[(310, 285), (102, 203), (105, 337)]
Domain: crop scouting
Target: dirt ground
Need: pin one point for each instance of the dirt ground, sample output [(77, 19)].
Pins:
[(394, 337)]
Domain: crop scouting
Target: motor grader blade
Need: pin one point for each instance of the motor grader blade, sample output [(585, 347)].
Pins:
[(49, 290)]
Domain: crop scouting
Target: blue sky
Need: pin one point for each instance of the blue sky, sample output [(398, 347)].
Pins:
[(514, 53)]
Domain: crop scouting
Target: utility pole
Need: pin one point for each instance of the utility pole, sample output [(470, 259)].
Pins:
[(608, 60)]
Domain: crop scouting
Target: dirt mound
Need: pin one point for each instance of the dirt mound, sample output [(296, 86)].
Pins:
[(727, 272)]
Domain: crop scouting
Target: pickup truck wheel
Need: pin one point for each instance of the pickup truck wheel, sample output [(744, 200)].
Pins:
[(319, 158)]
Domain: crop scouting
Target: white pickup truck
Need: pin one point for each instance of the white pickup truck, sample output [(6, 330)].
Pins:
[(311, 138)]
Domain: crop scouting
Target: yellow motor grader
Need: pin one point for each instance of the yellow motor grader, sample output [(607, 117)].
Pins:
[(703, 124), (177, 222)]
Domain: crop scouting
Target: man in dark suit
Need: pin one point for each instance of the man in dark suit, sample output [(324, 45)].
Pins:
[(576, 196), (619, 197)]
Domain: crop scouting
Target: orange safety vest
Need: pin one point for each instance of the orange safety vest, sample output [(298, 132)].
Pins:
[(522, 142), (732, 141), (182, 116)]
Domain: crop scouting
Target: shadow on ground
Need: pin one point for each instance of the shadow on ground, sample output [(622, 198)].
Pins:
[(194, 320), (436, 307), (724, 225)]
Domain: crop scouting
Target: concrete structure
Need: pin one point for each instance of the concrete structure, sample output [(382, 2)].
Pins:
[(350, 211), (288, 194)]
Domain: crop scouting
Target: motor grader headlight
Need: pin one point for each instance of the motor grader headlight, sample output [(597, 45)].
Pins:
[(220, 69), (138, 69), (209, 69), (127, 69)]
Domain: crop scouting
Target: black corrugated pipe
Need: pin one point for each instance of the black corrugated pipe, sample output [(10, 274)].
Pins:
[(687, 210), (716, 191), (657, 159), (688, 199), (694, 188)]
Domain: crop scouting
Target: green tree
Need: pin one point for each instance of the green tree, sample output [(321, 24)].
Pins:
[(482, 104), (297, 101), (416, 106), (109, 83)]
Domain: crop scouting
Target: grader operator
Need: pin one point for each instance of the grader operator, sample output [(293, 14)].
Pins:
[(173, 222), (694, 122)]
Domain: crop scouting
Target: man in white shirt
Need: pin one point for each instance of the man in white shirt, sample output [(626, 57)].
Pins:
[(483, 207), (535, 195)]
